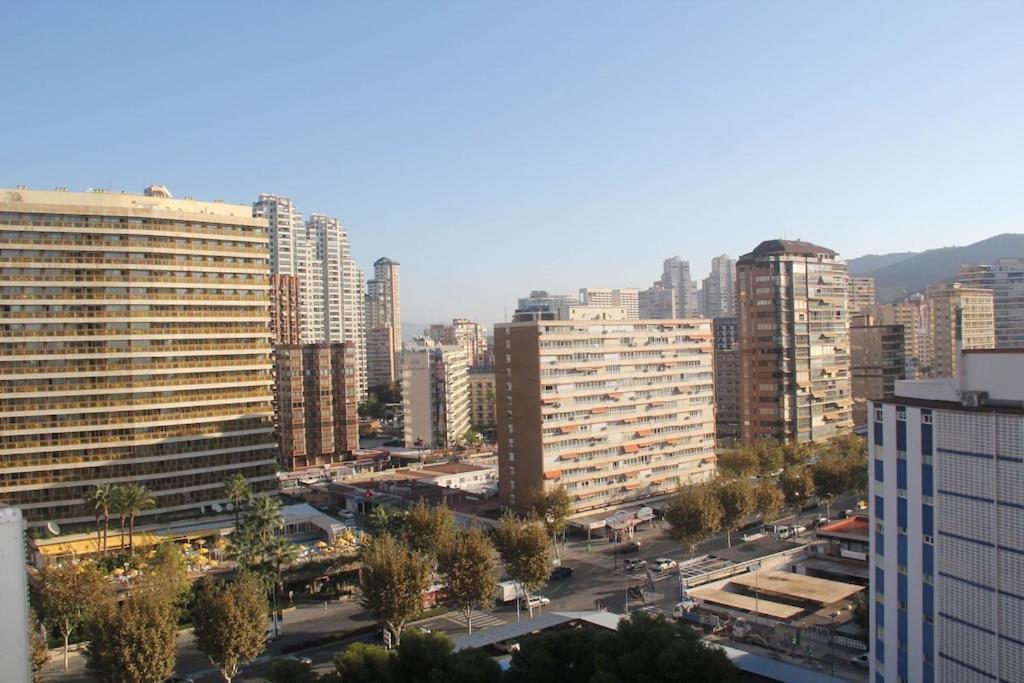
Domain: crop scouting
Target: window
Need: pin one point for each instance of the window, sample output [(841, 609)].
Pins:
[(878, 414)]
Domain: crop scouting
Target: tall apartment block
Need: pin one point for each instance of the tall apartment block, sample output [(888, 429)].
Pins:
[(285, 310), (727, 380), (877, 360), (613, 410), (794, 343), (435, 394), (720, 288), (470, 336), (134, 347), (383, 323), (960, 318), (861, 292), (482, 392), (676, 276), (317, 396), (541, 301), (628, 298), (657, 303), (331, 287), (1005, 278), (912, 317), (947, 508)]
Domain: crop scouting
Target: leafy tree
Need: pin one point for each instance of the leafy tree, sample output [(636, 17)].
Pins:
[(231, 622), (796, 485), (371, 407), (552, 507), (100, 500), (422, 657), (37, 643), (831, 477), (134, 498), (563, 656), (768, 499), (525, 551), (292, 671), (736, 500), (847, 446), (693, 514), (393, 580), (168, 573), (386, 520), (471, 666), (68, 594), (236, 488), (738, 462), (119, 505), (470, 572), (769, 454), (472, 437), (134, 642), (363, 663), (428, 528), (796, 453), (861, 616)]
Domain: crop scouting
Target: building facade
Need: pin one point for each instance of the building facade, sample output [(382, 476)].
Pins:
[(913, 317), (628, 299), (861, 291), (613, 410), (877, 360), (285, 310), (134, 347), (658, 302), (720, 288), (482, 392), (1005, 278), (435, 394), (383, 323), (794, 343), (471, 336), (727, 380), (946, 490), (316, 399), (676, 276), (960, 318)]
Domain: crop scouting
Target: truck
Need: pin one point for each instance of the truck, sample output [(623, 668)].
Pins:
[(708, 622), (508, 591)]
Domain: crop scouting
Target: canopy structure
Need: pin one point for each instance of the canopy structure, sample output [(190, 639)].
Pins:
[(746, 603), (90, 546), (797, 586)]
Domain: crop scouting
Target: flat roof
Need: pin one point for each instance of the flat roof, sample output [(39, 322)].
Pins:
[(773, 669), (123, 203), (747, 603), (751, 550), (797, 586), (456, 468), (853, 527), (951, 405)]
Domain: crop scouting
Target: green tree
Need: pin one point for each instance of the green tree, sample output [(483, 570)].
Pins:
[(736, 499), (392, 582), (68, 594), (847, 446), (386, 520), (769, 454), (119, 505), (262, 518), (525, 551), (831, 477), (768, 499), (363, 663), (796, 485), (472, 437), (471, 666), (470, 572), (134, 499), (247, 549), (552, 507), (861, 616), (100, 500), (428, 528), (422, 657), (738, 462), (37, 642), (693, 514), (292, 671), (796, 453), (230, 620), (134, 642), (563, 656), (236, 488), (282, 553)]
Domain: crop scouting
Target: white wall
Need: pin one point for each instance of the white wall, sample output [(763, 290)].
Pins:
[(14, 643)]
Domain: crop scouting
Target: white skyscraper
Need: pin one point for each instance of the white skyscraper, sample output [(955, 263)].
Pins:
[(676, 275), (720, 288)]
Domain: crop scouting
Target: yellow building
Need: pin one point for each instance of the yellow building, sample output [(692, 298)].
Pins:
[(134, 347)]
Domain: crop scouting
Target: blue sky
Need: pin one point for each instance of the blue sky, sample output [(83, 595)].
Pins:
[(493, 148)]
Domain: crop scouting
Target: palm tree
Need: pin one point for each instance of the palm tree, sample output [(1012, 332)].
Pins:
[(100, 500), (282, 552), (119, 505), (262, 518), (236, 488), (247, 550), (137, 498)]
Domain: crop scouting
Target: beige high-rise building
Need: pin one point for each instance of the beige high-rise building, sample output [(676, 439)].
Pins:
[(961, 318), (470, 336), (720, 288), (794, 342), (383, 323), (134, 347), (627, 298), (912, 317), (876, 362), (614, 410), (482, 391), (861, 292), (1005, 278), (435, 394)]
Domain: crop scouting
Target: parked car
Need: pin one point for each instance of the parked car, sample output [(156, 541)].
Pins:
[(534, 601), (784, 533), (846, 514), (179, 679), (560, 573), (861, 661), (798, 529), (663, 564), (635, 564), (631, 547), (298, 658), (821, 521)]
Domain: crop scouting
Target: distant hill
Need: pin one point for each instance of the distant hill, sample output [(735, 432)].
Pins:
[(902, 274), (862, 265)]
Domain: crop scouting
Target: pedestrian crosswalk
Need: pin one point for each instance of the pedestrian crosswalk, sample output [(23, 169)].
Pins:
[(480, 619)]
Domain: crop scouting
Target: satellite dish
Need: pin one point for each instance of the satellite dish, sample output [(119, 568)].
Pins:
[(230, 507), (53, 528), (216, 507)]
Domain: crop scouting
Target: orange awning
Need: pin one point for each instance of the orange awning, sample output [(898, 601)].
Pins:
[(553, 474), (631, 486), (631, 448), (644, 432), (598, 410), (567, 429)]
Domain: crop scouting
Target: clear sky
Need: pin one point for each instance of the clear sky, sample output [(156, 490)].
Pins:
[(493, 148)]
